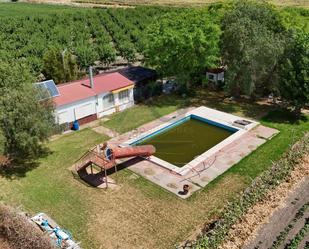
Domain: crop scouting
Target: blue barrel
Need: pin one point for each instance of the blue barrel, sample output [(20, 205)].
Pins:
[(75, 126)]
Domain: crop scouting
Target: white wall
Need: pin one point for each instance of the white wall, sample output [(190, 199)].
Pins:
[(221, 76), (71, 112), (94, 105), (216, 77), (117, 107)]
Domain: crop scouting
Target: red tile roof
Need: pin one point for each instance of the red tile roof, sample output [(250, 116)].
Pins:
[(216, 70), (80, 89)]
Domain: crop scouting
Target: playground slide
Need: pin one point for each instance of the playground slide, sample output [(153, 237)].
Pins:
[(142, 150)]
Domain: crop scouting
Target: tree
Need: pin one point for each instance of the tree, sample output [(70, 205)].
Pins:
[(127, 51), (253, 41), (60, 65), (24, 121), (86, 55), (294, 71), (107, 53), (182, 44)]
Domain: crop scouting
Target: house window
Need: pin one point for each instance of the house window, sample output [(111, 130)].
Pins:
[(124, 96), (108, 101)]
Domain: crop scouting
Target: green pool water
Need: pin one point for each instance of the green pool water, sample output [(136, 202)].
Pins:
[(182, 143)]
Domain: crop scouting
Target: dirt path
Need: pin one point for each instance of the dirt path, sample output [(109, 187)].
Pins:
[(79, 4), (264, 221)]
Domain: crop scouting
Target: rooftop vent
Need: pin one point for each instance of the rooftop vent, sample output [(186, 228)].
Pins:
[(91, 77)]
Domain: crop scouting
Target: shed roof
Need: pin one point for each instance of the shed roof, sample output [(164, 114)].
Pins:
[(216, 70), (138, 74), (80, 89)]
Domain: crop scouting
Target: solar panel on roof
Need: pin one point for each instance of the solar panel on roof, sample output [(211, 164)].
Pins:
[(51, 87), (47, 89)]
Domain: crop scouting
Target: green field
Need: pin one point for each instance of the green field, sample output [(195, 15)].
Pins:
[(138, 211), (29, 31)]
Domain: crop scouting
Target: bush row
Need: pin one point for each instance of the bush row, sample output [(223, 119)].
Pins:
[(295, 242), (282, 236)]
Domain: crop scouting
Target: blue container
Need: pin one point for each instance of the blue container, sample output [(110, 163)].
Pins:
[(75, 126)]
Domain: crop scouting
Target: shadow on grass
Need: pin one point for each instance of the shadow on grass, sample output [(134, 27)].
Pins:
[(213, 99), (93, 179), (284, 116), (18, 168), (219, 101)]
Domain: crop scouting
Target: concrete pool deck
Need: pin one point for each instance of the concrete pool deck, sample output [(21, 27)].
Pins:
[(207, 170)]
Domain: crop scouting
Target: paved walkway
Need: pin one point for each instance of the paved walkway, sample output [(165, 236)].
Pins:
[(94, 125), (105, 131)]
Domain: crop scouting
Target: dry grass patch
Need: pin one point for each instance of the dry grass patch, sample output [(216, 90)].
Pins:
[(139, 218)]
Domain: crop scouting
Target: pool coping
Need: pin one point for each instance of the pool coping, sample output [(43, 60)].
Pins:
[(205, 113)]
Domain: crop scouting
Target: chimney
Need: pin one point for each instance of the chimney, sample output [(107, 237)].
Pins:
[(91, 77)]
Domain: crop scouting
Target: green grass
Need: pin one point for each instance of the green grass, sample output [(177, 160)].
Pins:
[(262, 158), (141, 114), (50, 188), (160, 219)]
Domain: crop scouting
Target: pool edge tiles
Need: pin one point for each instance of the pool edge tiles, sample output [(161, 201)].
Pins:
[(204, 114)]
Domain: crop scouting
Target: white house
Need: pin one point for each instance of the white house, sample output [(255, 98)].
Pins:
[(91, 98)]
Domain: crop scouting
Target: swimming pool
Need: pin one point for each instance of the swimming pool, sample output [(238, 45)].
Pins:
[(181, 142), (187, 140)]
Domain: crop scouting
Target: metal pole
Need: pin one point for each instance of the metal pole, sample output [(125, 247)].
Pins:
[(106, 177), (62, 55)]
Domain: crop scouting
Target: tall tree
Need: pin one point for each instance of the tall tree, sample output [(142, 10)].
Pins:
[(24, 122), (60, 65), (183, 44), (294, 71), (86, 54), (252, 43)]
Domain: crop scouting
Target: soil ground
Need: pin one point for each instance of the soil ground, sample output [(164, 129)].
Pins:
[(282, 218), (262, 224), (132, 3)]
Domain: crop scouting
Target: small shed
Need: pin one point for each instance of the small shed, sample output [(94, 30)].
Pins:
[(215, 75)]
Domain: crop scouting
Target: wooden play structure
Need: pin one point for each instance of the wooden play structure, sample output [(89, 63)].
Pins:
[(105, 158)]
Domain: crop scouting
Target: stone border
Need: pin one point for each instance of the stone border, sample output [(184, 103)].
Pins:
[(202, 112), (207, 170)]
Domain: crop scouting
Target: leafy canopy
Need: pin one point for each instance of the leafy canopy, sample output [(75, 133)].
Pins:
[(24, 122), (294, 71), (252, 43), (60, 65), (183, 44)]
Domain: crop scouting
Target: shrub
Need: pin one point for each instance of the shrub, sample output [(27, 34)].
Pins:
[(19, 232)]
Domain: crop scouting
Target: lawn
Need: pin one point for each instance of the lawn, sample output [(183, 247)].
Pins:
[(143, 113), (138, 214)]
